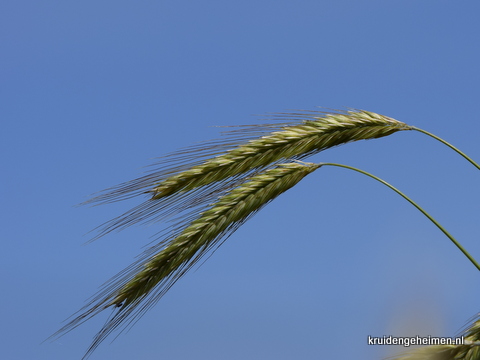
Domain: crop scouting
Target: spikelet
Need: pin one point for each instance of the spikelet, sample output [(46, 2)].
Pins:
[(314, 134), (469, 350), (140, 286)]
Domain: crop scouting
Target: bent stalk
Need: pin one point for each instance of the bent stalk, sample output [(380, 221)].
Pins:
[(448, 144), (457, 244)]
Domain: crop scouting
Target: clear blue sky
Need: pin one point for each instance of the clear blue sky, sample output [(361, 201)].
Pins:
[(91, 91)]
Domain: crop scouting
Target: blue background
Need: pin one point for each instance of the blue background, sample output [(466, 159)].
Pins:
[(91, 91)]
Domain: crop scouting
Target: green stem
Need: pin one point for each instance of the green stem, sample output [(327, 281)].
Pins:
[(449, 145), (414, 204)]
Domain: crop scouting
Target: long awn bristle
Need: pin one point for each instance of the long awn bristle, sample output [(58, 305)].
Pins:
[(197, 174), (295, 136)]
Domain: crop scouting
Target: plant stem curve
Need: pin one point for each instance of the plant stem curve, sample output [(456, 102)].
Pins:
[(457, 244), (448, 144)]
